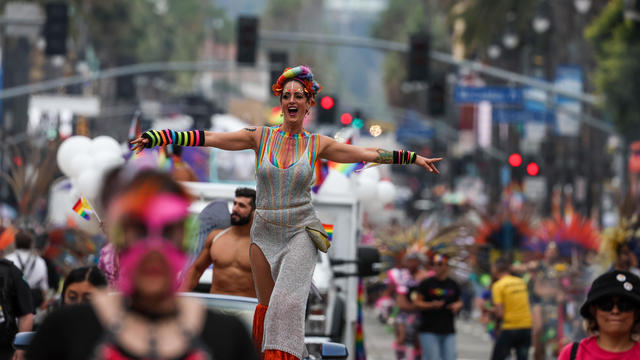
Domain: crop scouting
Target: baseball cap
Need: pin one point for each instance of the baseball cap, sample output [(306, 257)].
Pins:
[(614, 283)]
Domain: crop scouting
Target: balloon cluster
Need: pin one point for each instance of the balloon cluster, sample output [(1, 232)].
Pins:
[(371, 188), (85, 161)]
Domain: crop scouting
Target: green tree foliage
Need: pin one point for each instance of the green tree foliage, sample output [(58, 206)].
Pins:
[(617, 75), (125, 31), (486, 21)]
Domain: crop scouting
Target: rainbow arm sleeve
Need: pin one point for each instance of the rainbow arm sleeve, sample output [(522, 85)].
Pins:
[(167, 136)]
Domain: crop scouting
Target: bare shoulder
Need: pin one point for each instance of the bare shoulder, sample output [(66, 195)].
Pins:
[(255, 132), (325, 142), (211, 236)]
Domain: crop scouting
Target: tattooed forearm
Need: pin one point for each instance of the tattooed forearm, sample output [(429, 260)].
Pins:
[(250, 129), (384, 157)]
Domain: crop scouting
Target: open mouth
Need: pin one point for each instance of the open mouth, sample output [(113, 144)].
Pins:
[(292, 111)]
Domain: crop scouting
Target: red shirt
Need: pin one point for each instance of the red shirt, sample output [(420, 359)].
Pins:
[(589, 350)]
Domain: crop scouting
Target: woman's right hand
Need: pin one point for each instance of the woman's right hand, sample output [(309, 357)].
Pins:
[(139, 144)]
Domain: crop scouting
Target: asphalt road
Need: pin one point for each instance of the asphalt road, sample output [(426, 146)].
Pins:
[(472, 340)]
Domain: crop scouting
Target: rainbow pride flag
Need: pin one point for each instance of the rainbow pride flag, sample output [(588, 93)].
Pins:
[(329, 229), (346, 169), (83, 209)]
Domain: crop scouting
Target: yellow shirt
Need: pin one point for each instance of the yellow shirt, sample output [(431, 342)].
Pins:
[(511, 292)]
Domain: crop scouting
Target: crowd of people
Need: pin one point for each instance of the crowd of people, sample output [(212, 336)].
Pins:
[(128, 306), (539, 310)]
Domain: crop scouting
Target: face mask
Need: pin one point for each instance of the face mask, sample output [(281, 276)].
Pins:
[(161, 210), (131, 257)]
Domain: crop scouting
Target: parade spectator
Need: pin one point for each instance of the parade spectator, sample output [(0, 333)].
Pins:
[(17, 304), (439, 299), (402, 281), (181, 171), (612, 317), (625, 259), (108, 259), (228, 251), (146, 319), (81, 283), (511, 307), (33, 267)]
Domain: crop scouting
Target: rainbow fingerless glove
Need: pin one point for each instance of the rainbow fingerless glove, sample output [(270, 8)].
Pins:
[(166, 137), (403, 157)]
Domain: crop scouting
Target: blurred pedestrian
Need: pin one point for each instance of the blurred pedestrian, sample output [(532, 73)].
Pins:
[(108, 259), (403, 281), (147, 319), (612, 317), (228, 251), (81, 283), (16, 308), (181, 171), (283, 252), (625, 259), (439, 299), (33, 267), (511, 305)]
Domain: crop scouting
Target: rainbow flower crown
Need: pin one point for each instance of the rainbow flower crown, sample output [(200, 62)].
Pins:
[(300, 73)]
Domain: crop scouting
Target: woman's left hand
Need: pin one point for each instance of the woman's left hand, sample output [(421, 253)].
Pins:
[(428, 163)]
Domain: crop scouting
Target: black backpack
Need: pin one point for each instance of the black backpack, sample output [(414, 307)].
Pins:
[(7, 293)]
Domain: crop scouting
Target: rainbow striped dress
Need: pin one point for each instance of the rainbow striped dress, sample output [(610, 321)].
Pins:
[(283, 208)]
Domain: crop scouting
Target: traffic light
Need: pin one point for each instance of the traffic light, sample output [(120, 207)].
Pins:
[(358, 119), (277, 62), (533, 169), (418, 57), (125, 86), (55, 28), (346, 119), (247, 40), (327, 110), (515, 160), (436, 97)]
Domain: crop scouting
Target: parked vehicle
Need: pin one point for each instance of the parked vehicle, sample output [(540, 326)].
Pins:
[(242, 308), (332, 307)]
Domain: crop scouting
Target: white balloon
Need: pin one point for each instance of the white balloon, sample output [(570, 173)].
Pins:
[(68, 149), (104, 161), (386, 191), (365, 188), (105, 144), (372, 173), (80, 163), (336, 183), (89, 183)]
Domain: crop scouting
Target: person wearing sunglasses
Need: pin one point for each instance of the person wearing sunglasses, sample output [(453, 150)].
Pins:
[(612, 316)]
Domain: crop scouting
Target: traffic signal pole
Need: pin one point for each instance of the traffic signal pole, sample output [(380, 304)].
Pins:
[(384, 45)]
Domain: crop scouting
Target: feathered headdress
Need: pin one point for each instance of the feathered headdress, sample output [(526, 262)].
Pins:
[(624, 233), (300, 73), (575, 233)]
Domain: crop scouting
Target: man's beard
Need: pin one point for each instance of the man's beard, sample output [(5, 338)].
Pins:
[(240, 219)]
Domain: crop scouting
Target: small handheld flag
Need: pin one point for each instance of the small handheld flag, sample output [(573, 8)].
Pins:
[(83, 209), (328, 228)]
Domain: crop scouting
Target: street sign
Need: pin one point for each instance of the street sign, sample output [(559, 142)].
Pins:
[(492, 94), (23, 19), (517, 116)]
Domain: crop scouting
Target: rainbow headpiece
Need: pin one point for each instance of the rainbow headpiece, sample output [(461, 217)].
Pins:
[(300, 73)]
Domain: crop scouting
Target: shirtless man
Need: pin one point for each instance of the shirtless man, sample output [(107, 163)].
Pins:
[(228, 250)]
